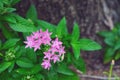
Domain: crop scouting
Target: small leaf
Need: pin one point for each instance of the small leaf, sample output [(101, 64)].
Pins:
[(117, 56), (4, 66), (46, 25), (39, 77), (63, 69), (1, 5), (9, 18), (75, 33), (31, 55), (13, 2), (76, 50), (80, 64), (24, 62), (66, 77), (32, 13), (10, 43), (117, 45), (20, 24), (6, 1), (62, 28), (51, 75), (22, 27), (89, 45), (21, 50), (9, 10), (109, 55), (11, 66), (6, 32), (29, 71), (105, 33), (109, 41)]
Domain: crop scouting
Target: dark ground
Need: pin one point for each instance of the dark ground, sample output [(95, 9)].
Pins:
[(90, 15)]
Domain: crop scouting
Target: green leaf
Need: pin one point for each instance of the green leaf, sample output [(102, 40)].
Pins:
[(76, 32), (1, 5), (39, 77), (24, 62), (109, 55), (6, 1), (63, 69), (46, 25), (20, 24), (105, 33), (10, 43), (80, 64), (117, 56), (9, 10), (29, 71), (65, 77), (13, 2), (9, 18), (31, 55), (20, 51), (32, 13), (4, 66), (62, 28), (6, 32), (76, 50), (117, 45), (109, 41), (69, 57), (11, 66), (23, 27), (51, 75), (89, 45)]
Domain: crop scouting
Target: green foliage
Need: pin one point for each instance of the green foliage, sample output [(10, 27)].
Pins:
[(61, 30), (30, 71), (32, 13), (10, 43), (73, 77), (112, 40), (75, 33), (63, 69), (4, 66), (88, 45), (24, 62), (45, 25), (80, 64), (5, 6)]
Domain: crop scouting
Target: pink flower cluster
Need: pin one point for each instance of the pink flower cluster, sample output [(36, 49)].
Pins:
[(37, 39), (55, 52)]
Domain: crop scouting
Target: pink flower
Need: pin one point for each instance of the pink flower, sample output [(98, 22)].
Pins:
[(61, 51), (48, 55), (55, 58), (29, 42), (46, 64), (37, 39), (37, 44), (46, 37), (55, 52), (56, 43)]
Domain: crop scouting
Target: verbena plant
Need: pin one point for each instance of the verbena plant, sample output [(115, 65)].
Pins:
[(18, 62), (112, 41)]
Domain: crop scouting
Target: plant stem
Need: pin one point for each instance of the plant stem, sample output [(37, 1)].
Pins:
[(111, 68)]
